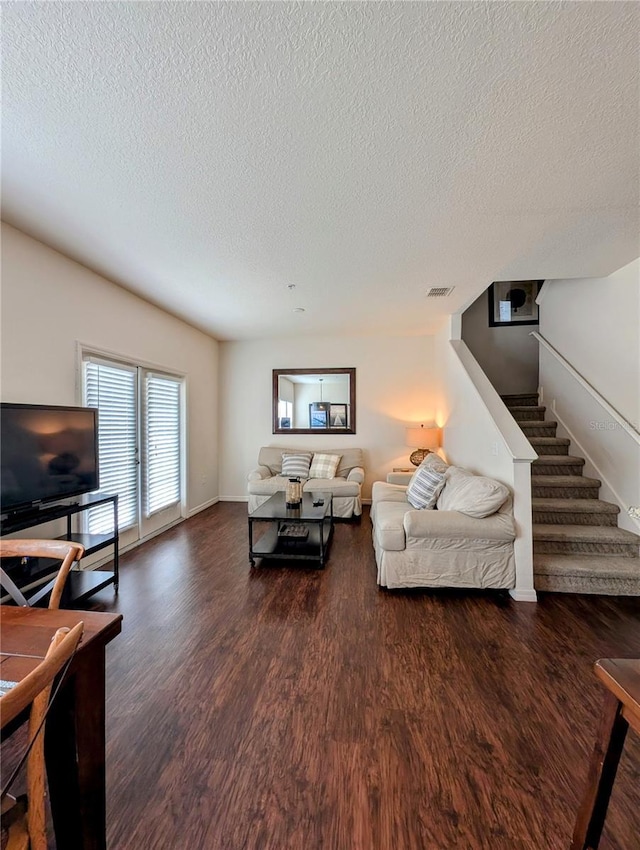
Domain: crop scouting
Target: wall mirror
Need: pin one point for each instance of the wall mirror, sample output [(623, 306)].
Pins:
[(314, 401)]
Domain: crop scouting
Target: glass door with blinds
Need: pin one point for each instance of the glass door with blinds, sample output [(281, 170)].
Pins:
[(161, 454), (140, 447)]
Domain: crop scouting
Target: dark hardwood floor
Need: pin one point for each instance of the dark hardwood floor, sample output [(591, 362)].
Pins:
[(295, 709)]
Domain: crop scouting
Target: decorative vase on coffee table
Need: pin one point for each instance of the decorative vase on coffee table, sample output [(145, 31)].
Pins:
[(293, 494)]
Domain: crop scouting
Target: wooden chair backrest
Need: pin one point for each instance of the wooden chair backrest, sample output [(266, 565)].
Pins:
[(35, 690), (62, 550)]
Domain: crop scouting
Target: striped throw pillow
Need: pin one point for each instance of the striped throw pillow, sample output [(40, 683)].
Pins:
[(324, 466), (296, 466), (424, 488)]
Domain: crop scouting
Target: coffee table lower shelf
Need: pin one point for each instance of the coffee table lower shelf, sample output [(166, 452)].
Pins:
[(310, 548)]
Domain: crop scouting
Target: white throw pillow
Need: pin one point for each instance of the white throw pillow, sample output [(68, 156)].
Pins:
[(424, 487), (473, 495)]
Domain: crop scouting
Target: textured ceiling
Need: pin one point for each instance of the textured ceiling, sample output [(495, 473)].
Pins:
[(207, 155)]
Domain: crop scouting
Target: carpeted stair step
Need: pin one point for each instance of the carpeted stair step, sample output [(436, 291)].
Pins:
[(557, 465), (550, 445), (520, 400), (612, 576), (574, 512), (584, 540), (564, 487), (528, 413), (539, 429)]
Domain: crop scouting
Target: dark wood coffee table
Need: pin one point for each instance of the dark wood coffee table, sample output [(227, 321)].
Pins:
[(295, 534)]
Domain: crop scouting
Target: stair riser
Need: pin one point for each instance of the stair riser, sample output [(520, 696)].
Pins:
[(562, 518), (582, 584), (539, 491), (537, 429), (551, 450), (551, 469), (523, 401), (528, 416), (571, 547)]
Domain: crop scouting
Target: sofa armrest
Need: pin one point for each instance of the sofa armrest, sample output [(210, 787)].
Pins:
[(399, 478), (259, 473), (453, 524), (356, 474)]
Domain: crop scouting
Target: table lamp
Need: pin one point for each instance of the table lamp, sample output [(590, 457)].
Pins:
[(423, 440)]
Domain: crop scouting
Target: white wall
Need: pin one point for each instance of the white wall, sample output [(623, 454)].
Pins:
[(50, 303), (508, 355), (394, 387), (594, 324)]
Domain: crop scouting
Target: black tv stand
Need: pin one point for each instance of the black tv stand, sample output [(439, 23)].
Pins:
[(81, 583), (24, 517)]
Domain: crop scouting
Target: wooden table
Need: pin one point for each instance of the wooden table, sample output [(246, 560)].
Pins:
[(75, 733), (621, 677)]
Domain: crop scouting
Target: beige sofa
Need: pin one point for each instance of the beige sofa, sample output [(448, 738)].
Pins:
[(439, 548), (346, 487)]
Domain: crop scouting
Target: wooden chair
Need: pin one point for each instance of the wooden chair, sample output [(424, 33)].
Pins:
[(24, 822), (62, 550)]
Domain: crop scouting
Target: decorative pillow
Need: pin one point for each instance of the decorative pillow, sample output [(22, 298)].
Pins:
[(473, 495), (424, 487), (434, 461), (296, 466), (324, 466)]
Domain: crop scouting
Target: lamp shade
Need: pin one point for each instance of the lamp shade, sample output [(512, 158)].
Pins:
[(422, 438)]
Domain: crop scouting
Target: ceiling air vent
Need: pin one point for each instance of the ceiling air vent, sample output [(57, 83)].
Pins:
[(440, 291)]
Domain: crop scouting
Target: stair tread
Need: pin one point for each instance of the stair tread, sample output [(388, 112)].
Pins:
[(560, 460), (584, 533), (527, 408), (563, 480), (537, 423), (586, 566), (587, 506)]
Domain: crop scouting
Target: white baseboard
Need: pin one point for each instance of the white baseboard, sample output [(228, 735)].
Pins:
[(202, 507), (523, 595)]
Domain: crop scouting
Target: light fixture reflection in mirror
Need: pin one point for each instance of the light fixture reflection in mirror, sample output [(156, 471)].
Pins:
[(314, 401)]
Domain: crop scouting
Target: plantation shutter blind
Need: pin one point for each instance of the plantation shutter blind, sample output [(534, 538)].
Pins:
[(162, 445), (112, 389)]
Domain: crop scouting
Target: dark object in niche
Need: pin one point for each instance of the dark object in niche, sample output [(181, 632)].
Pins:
[(299, 532)]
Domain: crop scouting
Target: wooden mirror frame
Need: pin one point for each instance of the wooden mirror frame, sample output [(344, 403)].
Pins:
[(351, 372)]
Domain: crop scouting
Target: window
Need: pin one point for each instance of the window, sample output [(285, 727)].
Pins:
[(285, 413)]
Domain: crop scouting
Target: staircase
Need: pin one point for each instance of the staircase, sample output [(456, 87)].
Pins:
[(577, 545)]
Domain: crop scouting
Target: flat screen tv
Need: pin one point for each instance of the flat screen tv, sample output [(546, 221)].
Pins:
[(47, 453)]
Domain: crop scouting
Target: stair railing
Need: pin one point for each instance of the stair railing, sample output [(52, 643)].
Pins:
[(602, 401)]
